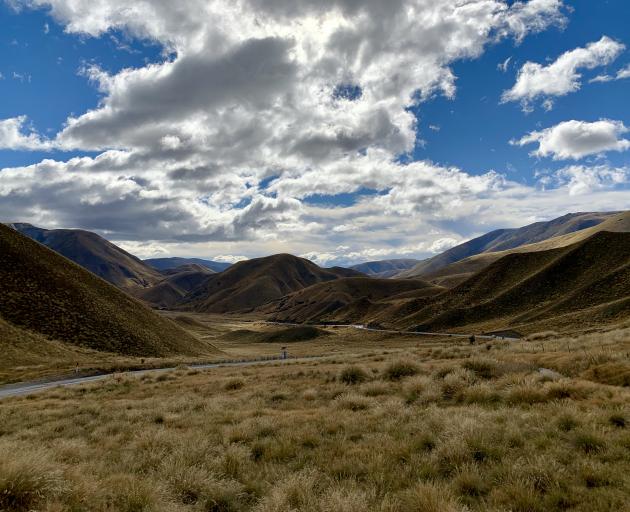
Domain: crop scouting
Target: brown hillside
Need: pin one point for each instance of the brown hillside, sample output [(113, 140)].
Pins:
[(347, 300), (456, 273), (175, 286), (96, 254), (48, 295), (253, 283), (505, 240), (588, 281)]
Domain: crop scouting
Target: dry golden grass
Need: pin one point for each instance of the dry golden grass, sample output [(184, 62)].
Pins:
[(462, 428)]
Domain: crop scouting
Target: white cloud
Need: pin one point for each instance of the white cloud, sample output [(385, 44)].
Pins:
[(622, 74), (443, 244), (503, 66), (580, 180), (220, 148), (578, 139), (13, 136), (562, 76)]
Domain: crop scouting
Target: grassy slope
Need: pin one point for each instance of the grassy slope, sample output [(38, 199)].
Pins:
[(508, 239), (456, 273), (97, 255), (346, 300), (253, 283), (589, 281), (47, 294)]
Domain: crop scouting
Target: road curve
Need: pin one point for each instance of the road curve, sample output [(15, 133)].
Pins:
[(28, 388)]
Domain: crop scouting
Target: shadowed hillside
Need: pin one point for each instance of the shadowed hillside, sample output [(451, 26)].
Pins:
[(505, 239), (456, 273), (581, 285), (348, 300), (48, 295), (175, 286), (253, 283), (96, 254)]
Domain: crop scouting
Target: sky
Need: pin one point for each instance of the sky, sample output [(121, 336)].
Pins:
[(341, 131)]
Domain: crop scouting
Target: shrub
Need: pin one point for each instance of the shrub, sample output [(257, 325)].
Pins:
[(233, 384), (399, 370), (353, 375)]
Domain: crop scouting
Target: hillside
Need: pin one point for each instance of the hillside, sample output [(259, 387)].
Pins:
[(45, 294), (347, 300), (96, 254), (456, 273), (569, 288), (175, 286), (163, 264), (253, 283), (506, 239), (385, 268)]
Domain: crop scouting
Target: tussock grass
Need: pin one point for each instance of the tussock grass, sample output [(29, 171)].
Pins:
[(456, 430)]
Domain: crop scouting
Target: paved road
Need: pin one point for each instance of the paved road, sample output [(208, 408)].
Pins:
[(28, 388), (391, 331)]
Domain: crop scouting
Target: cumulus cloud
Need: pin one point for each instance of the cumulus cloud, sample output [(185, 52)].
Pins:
[(580, 180), (577, 139), (13, 136), (622, 74), (221, 147), (563, 76)]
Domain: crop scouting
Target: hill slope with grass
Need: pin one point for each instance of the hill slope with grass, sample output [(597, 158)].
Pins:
[(456, 273), (347, 300), (163, 264), (582, 285), (253, 283), (96, 254), (385, 268), (43, 294), (506, 239), (177, 283)]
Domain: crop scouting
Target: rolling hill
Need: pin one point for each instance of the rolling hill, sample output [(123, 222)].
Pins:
[(163, 264), (347, 300), (253, 283), (582, 285), (506, 239), (456, 273), (46, 296), (177, 283), (385, 268), (573, 287), (96, 254)]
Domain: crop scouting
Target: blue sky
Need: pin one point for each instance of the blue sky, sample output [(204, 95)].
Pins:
[(193, 184)]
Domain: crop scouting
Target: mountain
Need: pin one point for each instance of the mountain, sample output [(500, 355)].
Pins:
[(43, 295), (505, 239), (249, 284), (347, 300), (175, 286), (580, 285), (96, 254), (385, 268), (163, 264), (456, 273)]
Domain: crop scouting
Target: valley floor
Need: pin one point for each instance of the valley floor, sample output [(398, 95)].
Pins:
[(382, 424)]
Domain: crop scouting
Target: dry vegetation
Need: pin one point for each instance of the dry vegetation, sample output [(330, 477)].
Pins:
[(442, 427)]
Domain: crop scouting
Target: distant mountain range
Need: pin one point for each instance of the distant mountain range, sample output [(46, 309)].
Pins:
[(504, 279), (171, 263)]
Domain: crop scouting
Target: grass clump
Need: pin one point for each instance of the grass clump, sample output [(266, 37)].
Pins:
[(353, 375), (398, 370), (233, 384)]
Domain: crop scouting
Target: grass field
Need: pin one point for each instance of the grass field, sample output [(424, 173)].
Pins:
[(383, 424)]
